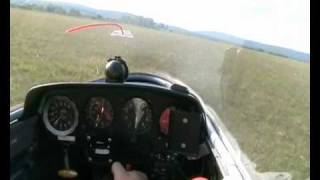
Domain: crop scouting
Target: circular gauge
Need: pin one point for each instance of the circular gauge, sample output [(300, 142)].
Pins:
[(60, 115), (137, 115), (100, 113), (165, 120)]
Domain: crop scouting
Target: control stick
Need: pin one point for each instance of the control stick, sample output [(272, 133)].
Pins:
[(67, 173)]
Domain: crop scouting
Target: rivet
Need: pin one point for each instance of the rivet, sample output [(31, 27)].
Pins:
[(185, 120)]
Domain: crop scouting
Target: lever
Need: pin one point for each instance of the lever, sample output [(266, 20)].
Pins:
[(67, 173)]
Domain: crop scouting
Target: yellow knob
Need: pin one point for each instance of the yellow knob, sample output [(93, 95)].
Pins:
[(67, 173)]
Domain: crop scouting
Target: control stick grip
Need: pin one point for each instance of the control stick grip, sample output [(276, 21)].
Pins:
[(67, 173)]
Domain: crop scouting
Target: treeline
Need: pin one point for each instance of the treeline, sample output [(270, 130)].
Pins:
[(129, 19), (142, 21), (54, 9)]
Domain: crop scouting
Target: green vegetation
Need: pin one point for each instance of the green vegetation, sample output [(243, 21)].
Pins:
[(76, 12), (266, 104), (263, 99)]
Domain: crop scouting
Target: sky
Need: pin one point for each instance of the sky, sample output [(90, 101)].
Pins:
[(284, 23)]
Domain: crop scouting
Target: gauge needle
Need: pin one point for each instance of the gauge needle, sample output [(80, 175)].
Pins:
[(55, 122), (98, 120), (138, 117)]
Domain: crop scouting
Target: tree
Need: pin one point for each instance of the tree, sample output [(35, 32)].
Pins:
[(98, 16), (50, 8), (74, 12), (60, 10)]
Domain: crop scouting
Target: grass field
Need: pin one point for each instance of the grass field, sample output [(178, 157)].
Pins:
[(263, 99)]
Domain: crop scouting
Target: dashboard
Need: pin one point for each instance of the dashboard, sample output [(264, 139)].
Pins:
[(137, 123)]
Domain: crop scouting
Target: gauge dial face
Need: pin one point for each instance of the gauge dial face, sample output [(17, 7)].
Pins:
[(60, 115), (100, 112), (137, 115), (165, 120)]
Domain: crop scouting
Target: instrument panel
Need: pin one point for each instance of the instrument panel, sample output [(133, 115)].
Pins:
[(118, 121), (65, 109), (61, 115)]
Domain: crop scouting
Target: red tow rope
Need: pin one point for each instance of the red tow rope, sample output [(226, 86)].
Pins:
[(93, 26)]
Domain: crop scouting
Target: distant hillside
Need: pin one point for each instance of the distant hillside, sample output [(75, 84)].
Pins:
[(68, 6), (93, 12), (280, 51), (65, 8), (149, 22)]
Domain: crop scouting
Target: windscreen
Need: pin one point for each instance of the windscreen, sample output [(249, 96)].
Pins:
[(249, 60)]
